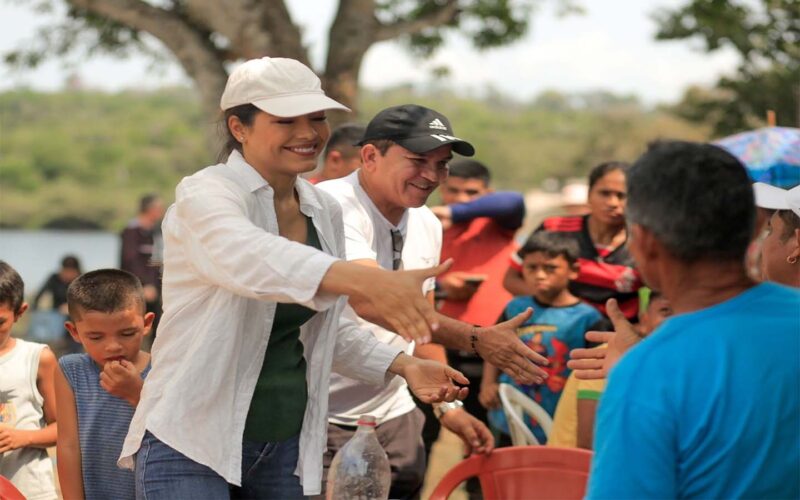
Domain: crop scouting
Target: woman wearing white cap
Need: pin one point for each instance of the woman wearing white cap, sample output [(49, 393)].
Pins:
[(780, 249), (254, 293)]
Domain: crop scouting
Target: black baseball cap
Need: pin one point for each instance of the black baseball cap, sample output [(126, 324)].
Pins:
[(416, 128)]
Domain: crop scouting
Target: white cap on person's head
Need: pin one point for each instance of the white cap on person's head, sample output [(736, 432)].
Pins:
[(280, 86), (775, 198)]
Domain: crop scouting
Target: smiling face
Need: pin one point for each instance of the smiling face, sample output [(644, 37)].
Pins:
[(607, 199), (402, 179), (111, 336), (547, 276), (282, 146)]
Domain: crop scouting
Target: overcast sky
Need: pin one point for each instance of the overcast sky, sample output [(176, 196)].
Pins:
[(609, 47)]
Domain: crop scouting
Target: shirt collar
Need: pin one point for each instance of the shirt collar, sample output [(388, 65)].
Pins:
[(401, 226), (253, 181)]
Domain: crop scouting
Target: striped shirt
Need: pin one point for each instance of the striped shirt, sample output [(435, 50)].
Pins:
[(604, 273), (103, 422)]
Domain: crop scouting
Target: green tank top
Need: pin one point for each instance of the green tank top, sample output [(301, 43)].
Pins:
[(279, 401)]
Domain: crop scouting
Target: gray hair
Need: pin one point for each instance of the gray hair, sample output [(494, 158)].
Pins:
[(696, 199)]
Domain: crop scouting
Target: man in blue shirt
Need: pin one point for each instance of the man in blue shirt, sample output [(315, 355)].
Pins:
[(709, 405)]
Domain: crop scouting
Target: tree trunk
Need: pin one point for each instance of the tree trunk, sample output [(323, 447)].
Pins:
[(353, 32)]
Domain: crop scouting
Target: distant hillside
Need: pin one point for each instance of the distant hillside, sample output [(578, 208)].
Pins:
[(85, 157)]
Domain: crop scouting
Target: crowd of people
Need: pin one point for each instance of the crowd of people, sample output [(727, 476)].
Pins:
[(291, 308)]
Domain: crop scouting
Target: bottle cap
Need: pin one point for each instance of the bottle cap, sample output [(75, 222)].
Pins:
[(368, 420)]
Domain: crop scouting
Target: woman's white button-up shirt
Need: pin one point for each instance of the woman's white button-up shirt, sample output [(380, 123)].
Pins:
[(225, 268)]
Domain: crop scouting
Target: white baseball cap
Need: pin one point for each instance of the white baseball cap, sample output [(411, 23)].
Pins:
[(281, 87), (775, 198)]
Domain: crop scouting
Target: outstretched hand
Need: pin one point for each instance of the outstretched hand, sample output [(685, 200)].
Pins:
[(430, 381), (394, 299), (597, 362), (500, 345)]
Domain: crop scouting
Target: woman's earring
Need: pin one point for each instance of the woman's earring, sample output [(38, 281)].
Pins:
[(791, 260)]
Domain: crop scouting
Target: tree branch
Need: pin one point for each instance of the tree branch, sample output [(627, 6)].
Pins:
[(441, 16), (192, 48), (253, 28)]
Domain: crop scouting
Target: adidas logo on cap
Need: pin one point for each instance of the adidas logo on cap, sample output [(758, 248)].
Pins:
[(437, 124)]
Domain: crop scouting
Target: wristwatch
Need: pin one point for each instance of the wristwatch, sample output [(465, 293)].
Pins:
[(442, 408)]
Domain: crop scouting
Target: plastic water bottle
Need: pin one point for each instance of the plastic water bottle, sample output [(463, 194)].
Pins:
[(360, 469)]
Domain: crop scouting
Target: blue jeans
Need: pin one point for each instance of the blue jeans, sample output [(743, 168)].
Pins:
[(163, 473)]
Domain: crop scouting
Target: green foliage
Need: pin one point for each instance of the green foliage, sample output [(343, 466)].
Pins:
[(91, 155), (767, 36), (488, 23), (88, 156)]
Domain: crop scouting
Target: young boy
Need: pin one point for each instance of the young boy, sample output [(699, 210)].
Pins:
[(558, 325), (27, 398), (573, 423), (98, 391)]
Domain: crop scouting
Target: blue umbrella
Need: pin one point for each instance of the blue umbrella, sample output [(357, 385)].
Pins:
[(771, 154)]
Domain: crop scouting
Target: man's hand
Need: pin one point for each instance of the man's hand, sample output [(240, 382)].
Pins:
[(122, 379), (596, 363), (476, 436), (11, 438), (445, 215), (500, 345), (394, 300), (456, 286), (430, 381), (489, 395)]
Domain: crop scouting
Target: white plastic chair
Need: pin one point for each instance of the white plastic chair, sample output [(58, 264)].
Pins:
[(515, 405)]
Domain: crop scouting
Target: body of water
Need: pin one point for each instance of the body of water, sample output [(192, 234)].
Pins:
[(37, 254)]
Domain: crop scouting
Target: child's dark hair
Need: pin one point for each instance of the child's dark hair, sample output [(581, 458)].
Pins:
[(106, 291), (552, 245), (12, 289)]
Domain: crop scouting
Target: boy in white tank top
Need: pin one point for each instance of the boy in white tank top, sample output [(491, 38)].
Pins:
[(27, 399)]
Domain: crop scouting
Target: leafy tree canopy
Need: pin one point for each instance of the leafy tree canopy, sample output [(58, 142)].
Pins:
[(766, 34)]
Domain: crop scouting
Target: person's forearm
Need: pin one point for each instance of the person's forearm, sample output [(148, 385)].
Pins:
[(70, 478), (506, 208), (489, 375), (347, 278), (41, 438), (454, 334)]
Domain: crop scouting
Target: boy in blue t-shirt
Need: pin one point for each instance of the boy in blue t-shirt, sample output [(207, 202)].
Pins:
[(558, 325), (97, 392)]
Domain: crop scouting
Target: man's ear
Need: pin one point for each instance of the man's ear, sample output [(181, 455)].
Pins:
[(73, 331), (369, 157), (334, 156)]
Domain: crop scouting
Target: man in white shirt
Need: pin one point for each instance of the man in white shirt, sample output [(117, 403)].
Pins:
[(405, 151)]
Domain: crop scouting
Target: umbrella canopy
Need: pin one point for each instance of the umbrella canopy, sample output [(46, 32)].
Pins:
[(771, 154)]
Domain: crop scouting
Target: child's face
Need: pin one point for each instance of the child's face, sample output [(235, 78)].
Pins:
[(8, 316), (111, 336), (657, 311), (547, 276)]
